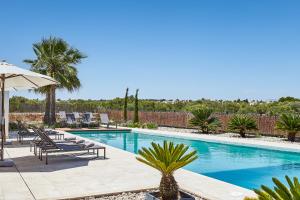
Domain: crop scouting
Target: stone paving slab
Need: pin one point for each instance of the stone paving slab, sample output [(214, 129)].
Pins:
[(69, 177), (12, 186), (274, 145)]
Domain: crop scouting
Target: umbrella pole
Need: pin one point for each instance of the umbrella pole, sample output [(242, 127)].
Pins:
[(2, 118)]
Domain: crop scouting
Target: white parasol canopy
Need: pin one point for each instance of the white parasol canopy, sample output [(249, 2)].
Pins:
[(15, 78), (21, 79)]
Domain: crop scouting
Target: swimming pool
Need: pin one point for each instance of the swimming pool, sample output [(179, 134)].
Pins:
[(247, 167)]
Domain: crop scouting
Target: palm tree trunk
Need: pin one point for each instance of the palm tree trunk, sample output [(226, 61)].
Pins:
[(47, 108), (168, 188), (52, 106), (242, 133), (204, 129), (292, 136)]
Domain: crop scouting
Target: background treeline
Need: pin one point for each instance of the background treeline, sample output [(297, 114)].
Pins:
[(283, 105)]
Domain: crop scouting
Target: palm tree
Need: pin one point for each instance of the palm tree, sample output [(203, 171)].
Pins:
[(55, 58), (289, 123), (242, 123), (202, 118), (280, 191), (167, 159)]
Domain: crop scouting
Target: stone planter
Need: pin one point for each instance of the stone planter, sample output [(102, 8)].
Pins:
[(155, 196)]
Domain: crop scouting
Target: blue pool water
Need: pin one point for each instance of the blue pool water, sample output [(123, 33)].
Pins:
[(247, 167)]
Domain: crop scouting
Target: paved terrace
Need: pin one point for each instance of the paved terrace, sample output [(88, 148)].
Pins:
[(69, 177), (273, 145)]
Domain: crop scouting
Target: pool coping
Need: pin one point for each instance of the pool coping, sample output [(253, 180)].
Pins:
[(245, 142), (201, 185)]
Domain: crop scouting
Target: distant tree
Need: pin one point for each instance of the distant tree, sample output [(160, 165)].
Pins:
[(136, 107), (289, 123), (280, 108), (288, 99), (261, 108), (125, 104), (203, 119), (295, 106), (246, 101), (242, 123), (246, 109)]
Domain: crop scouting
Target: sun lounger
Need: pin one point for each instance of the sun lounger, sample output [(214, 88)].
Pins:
[(57, 135), (77, 117), (23, 131), (88, 119), (38, 140), (105, 120), (50, 146), (41, 140), (62, 117), (71, 120)]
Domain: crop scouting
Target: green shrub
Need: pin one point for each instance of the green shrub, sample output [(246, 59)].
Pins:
[(13, 126), (57, 125), (133, 125), (151, 125)]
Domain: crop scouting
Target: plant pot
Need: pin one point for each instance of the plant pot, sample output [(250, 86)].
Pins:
[(156, 196)]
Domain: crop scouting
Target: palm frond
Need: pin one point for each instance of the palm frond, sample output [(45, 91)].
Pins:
[(280, 191), (55, 58), (242, 123), (167, 157), (202, 118)]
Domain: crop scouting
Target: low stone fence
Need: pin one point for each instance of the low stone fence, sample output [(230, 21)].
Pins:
[(26, 117), (266, 124)]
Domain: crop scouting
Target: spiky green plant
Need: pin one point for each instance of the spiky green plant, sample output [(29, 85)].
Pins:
[(136, 107), (167, 159), (203, 119), (280, 191), (289, 123), (242, 123), (125, 105)]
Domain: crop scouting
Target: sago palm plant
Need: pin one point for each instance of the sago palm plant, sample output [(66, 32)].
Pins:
[(242, 123), (280, 191), (289, 123), (202, 118), (167, 159)]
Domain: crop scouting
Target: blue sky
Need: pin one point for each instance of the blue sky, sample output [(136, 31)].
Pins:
[(218, 49)]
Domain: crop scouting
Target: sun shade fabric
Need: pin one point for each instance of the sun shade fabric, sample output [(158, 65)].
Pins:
[(20, 79)]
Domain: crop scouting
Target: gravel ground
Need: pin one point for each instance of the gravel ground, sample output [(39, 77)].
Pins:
[(126, 196), (233, 135)]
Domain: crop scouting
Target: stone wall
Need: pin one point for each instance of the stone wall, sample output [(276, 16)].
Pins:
[(266, 124), (26, 117)]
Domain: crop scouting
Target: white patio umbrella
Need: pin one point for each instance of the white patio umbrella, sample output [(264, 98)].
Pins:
[(15, 78)]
